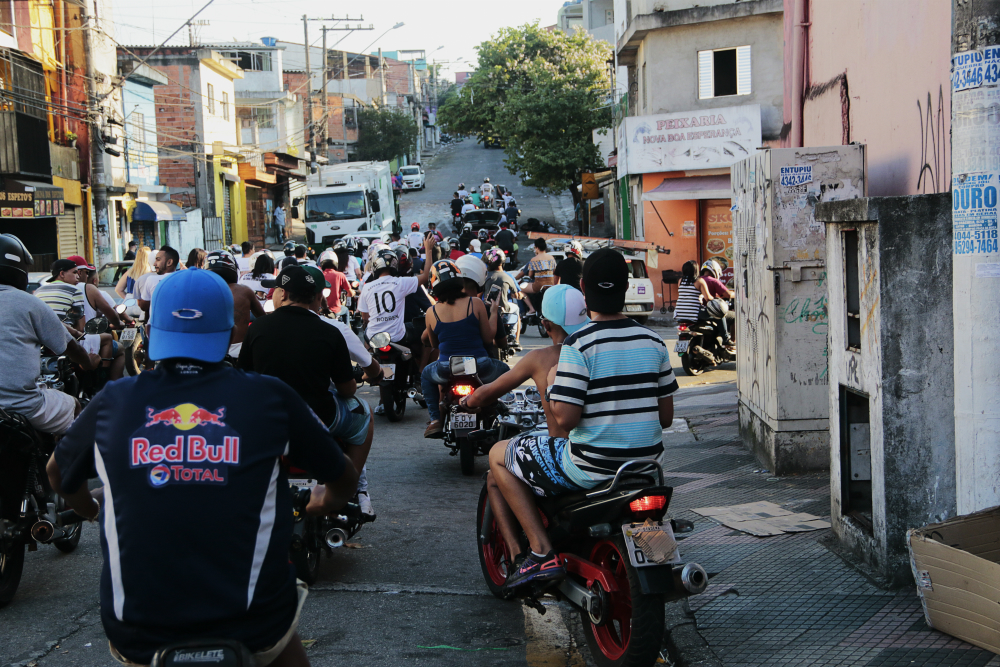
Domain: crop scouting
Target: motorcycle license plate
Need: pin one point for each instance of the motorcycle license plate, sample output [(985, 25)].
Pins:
[(463, 420), (127, 335), (636, 554), (682, 346), (302, 483), (389, 370)]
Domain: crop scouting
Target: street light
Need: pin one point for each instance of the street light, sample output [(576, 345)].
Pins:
[(398, 25)]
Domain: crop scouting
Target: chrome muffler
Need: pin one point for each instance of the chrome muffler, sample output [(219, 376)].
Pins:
[(336, 538)]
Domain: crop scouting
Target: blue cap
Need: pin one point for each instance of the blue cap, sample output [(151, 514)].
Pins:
[(192, 317), (564, 305)]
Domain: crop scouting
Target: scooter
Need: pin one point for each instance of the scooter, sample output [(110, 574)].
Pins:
[(459, 424), (620, 554), (312, 535)]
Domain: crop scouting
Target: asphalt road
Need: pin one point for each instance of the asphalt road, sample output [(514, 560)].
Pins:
[(412, 583)]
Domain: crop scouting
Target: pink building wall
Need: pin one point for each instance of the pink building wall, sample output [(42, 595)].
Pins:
[(876, 73)]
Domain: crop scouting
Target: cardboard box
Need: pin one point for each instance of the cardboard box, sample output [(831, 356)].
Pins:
[(956, 565)]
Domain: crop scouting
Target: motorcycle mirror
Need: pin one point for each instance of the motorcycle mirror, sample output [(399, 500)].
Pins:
[(326, 292), (380, 340), (96, 325), (120, 308), (269, 306), (463, 365)]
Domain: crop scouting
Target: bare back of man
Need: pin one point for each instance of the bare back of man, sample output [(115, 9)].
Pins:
[(244, 303)]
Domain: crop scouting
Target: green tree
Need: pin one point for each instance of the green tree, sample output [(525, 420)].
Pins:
[(384, 134), (543, 93)]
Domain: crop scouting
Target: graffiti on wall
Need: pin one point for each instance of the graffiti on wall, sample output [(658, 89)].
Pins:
[(933, 145)]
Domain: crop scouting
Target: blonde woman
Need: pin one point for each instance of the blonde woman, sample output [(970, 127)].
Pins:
[(126, 285)]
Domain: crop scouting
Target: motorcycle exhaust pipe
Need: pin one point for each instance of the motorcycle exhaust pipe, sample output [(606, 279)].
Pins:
[(335, 538), (691, 578), (45, 532), (703, 353)]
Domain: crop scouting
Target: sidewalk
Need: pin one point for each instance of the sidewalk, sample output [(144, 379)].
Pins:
[(787, 599)]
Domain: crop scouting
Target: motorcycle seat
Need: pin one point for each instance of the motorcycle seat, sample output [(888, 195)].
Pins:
[(628, 481)]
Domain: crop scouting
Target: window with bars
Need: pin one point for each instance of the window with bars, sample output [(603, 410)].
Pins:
[(724, 72), (211, 99)]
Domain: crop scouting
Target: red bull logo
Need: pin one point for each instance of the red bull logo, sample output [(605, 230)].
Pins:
[(185, 416), (199, 457)]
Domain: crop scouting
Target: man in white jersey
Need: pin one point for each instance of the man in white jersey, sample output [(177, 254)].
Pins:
[(383, 297), (414, 239)]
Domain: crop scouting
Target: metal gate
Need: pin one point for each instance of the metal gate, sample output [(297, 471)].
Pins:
[(227, 215), (213, 233)]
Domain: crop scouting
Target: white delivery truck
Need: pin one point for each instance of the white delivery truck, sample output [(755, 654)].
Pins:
[(347, 198)]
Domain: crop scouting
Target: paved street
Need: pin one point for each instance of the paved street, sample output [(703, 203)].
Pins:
[(414, 579)]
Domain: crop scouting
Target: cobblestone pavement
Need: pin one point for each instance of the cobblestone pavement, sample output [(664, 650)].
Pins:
[(783, 600)]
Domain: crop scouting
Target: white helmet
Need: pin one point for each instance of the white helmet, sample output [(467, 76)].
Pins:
[(576, 248), (712, 266), (472, 268)]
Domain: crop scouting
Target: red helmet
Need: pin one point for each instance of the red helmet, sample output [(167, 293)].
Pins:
[(415, 226)]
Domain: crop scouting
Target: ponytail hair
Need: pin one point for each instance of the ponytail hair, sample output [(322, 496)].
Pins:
[(689, 272)]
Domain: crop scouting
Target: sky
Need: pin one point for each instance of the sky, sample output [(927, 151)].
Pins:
[(457, 26)]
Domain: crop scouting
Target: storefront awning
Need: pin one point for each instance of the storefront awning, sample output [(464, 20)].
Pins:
[(30, 199), (692, 187), (153, 211)]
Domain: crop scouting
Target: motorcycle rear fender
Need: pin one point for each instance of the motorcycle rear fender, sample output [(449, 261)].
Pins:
[(660, 580), (612, 508)]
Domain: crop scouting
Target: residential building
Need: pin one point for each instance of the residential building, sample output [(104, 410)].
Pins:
[(198, 141), (461, 78), (570, 16), (705, 89), (833, 96)]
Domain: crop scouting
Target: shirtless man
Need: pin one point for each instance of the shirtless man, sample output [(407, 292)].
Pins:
[(245, 301), (564, 312)]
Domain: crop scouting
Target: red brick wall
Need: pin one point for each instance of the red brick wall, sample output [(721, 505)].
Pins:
[(177, 107)]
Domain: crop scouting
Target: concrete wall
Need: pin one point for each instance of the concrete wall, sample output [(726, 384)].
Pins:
[(216, 126), (671, 73), (883, 68), (907, 349), (142, 159)]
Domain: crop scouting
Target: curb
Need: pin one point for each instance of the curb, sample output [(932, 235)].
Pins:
[(685, 644)]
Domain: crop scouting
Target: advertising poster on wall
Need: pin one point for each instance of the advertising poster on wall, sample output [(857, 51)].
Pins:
[(690, 139), (717, 234)]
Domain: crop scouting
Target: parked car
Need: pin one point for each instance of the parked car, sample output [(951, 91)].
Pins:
[(413, 177), (483, 218), (639, 298), (492, 142)]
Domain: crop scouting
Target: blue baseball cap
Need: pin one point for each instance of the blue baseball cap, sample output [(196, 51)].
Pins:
[(192, 317), (564, 305)]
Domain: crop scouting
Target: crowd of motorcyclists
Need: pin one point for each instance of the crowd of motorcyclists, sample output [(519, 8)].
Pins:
[(252, 366)]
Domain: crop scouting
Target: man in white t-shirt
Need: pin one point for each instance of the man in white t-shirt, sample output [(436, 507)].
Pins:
[(469, 206), (243, 259), (487, 188), (165, 263), (414, 239), (383, 297)]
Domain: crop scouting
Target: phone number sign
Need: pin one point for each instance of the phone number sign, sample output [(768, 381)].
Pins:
[(974, 214), (971, 69)]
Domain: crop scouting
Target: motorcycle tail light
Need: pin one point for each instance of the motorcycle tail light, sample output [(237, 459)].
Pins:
[(682, 327), (462, 389), (386, 348), (648, 503)]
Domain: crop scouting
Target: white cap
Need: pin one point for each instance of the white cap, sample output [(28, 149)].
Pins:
[(475, 245)]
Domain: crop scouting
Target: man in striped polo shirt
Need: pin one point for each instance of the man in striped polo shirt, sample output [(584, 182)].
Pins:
[(612, 392)]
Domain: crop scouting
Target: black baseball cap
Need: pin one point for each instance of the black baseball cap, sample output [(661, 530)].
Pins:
[(61, 265), (605, 281), (296, 279)]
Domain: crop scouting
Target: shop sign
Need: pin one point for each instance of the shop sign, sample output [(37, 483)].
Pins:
[(703, 139), (22, 200)]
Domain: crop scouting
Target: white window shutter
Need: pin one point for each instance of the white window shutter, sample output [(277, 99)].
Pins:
[(742, 70), (706, 78)]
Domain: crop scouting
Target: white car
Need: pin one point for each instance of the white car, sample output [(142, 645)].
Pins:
[(413, 177), (639, 298)]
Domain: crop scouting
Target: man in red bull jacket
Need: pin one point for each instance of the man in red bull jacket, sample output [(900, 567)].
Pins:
[(196, 517)]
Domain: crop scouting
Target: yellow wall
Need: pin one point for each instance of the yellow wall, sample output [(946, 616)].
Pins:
[(237, 199)]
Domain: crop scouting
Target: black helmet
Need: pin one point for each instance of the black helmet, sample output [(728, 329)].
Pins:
[(289, 248), (224, 264), (385, 259), (15, 260), (483, 235), (340, 244)]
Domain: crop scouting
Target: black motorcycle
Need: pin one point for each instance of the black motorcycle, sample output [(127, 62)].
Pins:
[(533, 319), (615, 543), (458, 423), (314, 535), (401, 375), (699, 346), (30, 512)]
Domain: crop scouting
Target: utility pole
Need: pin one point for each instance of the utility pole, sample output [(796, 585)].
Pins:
[(343, 107), (98, 175), (326, 96), (309, 105), (381, 72), (193, 37), (418, 115), (975, 256)]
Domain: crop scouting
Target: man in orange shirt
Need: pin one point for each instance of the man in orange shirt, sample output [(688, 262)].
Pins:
[(338, 282)]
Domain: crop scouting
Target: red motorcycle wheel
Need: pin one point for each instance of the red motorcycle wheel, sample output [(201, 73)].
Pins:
[(632, 630), (494, 556)]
